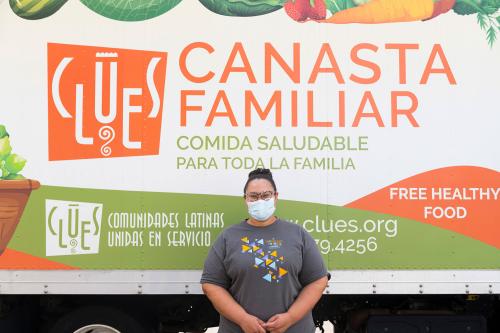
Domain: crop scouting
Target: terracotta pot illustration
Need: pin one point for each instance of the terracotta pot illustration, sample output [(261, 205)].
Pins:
[(13, 197)]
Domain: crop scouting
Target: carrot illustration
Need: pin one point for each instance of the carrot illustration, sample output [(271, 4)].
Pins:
[(385, 11)]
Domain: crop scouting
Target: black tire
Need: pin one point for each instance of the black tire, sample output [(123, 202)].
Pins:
[(92, 315)]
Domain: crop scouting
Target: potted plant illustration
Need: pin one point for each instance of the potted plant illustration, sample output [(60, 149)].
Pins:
[(15, 189)]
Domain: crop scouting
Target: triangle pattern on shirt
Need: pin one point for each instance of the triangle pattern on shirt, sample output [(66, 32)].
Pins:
[(266, 257), (258, 261), (282, 272)]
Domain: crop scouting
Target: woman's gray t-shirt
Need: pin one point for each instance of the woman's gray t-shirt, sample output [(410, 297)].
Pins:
[(264, 269)]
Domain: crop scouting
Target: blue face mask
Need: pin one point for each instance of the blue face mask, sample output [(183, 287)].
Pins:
[(261, 210)]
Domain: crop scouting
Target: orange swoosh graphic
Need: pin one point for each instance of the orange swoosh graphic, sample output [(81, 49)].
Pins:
[(482, 219), (12, 259)]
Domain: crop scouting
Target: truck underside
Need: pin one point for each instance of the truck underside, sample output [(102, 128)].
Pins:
[(194, 313), (167, 301)]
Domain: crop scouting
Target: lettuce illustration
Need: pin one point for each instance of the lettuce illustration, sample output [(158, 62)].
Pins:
[(242, 7), (5, 147), (4, 170), (130, 10), (3, 132), (14, 176), (14, 163), (10, 164)]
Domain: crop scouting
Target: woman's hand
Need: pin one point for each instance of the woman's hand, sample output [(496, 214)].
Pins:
[(252, 324), (225, 304), (279, 323)]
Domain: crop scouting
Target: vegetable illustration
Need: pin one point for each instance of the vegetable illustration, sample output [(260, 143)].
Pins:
[(35, 9), (441, 7), (389, 11), (14, 189), (467, 7), (301, 10), (130, 10), (242, 7), (385, 11), (10, 164), (324, 11), (486, 11)]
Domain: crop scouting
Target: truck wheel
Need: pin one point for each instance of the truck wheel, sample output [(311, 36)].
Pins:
[(98, 319)]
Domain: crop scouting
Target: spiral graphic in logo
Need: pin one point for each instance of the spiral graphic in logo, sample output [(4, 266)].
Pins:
[(73, 243), (106, 133)]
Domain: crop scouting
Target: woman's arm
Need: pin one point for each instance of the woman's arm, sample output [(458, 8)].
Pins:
[(225, 304), (308, 297)]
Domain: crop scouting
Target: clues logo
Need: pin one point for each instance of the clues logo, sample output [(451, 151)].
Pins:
[(104, 102), (72, 227)]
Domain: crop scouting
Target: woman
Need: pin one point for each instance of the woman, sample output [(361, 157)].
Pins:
[(264, 274)]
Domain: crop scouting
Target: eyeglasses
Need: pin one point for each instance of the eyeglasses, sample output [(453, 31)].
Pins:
[(254, 196)]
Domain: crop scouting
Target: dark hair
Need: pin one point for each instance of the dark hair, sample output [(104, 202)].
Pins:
[(260, 174)]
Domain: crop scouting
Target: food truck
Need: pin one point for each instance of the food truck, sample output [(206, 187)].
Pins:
[(128, 128)]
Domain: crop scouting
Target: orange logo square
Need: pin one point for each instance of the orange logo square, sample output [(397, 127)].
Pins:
[(104, 102)]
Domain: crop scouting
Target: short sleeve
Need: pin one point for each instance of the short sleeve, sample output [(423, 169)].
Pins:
[(313, 266), (214, 270)]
